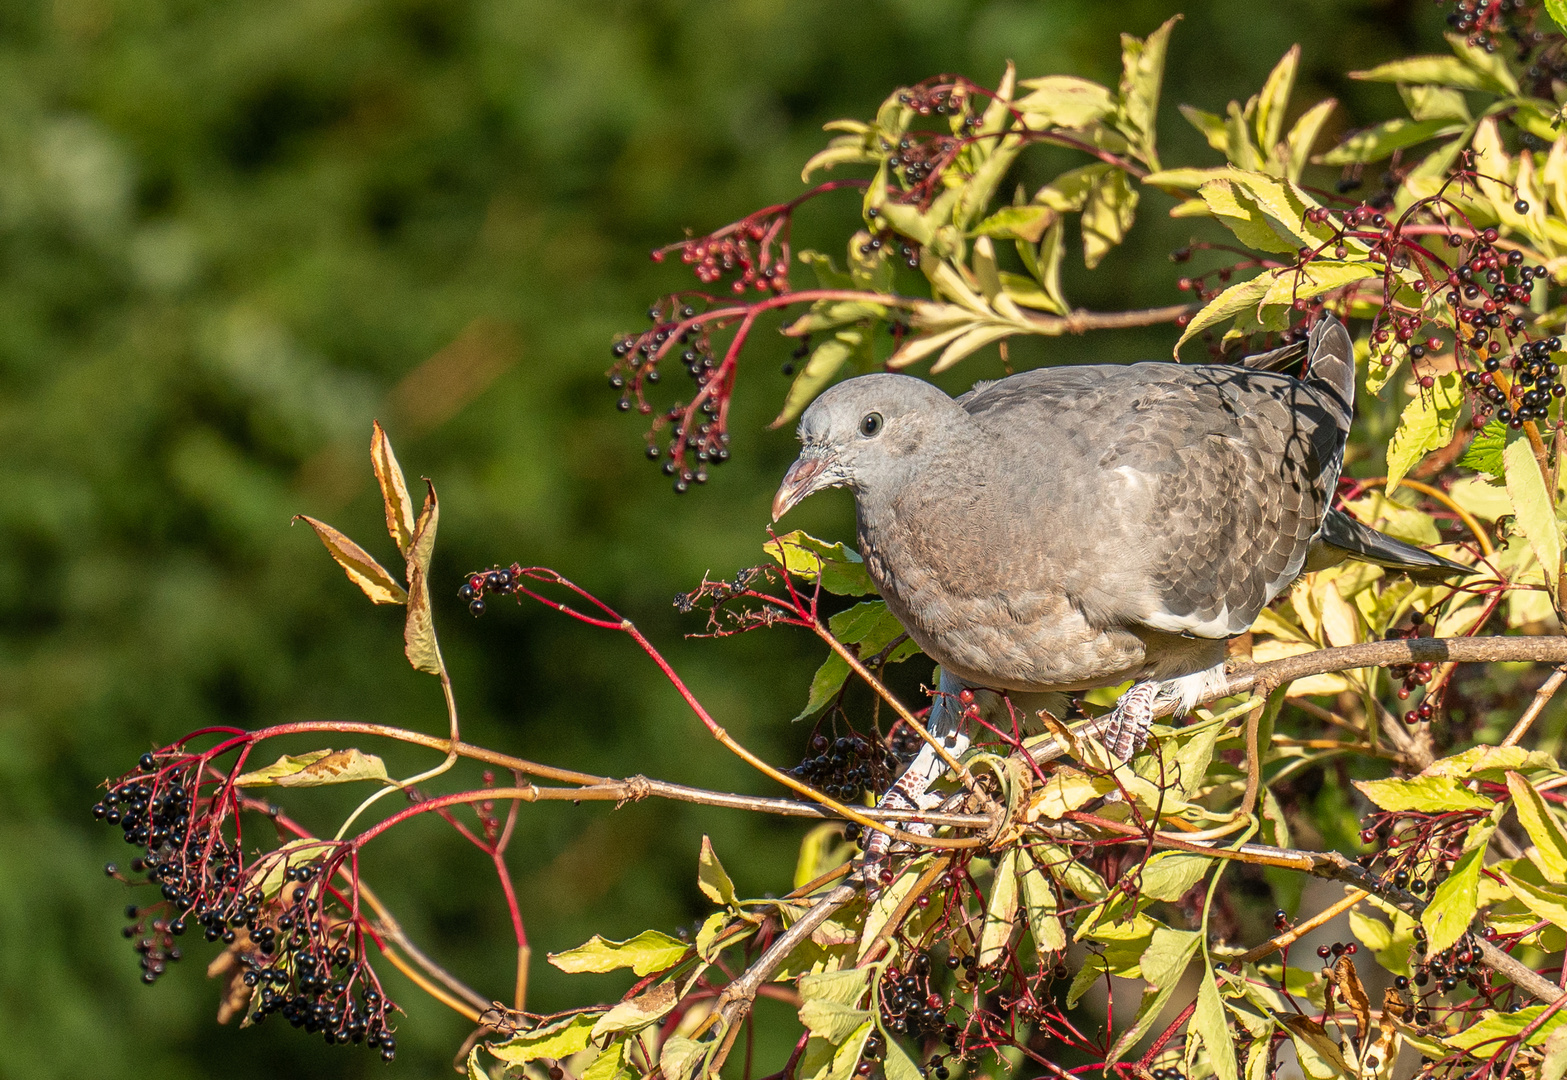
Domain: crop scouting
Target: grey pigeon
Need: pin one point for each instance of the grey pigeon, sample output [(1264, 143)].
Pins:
[(1076, 527)]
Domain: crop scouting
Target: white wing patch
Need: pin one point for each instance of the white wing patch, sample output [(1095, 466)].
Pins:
[(1219, 626)]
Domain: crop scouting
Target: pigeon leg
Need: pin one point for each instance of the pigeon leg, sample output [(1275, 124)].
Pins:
[(1124, 730), (911, 791)]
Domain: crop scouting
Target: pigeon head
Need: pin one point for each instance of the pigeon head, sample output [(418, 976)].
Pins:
[(867, 434)]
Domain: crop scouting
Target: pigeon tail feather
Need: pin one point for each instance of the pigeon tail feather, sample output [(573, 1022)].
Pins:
[(1330, 368)]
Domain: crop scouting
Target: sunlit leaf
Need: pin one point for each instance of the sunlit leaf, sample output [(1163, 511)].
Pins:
[(711, 877), (1274, 99), (839, 566), (316, 769), (1433, 794), (358, 564), (1454, 901), (1001, 910), (1241, 297), (1532, 503), (1170, 875), (1382, 140), (1484, 454), (557, 1040), (831, 1021), (1142, 72), (1495, 1027), (1063, 101), (394, 489), (644, 954), (1533, 814), (826, 359), (1208, 1023), (646, 1008), (1426, 424)]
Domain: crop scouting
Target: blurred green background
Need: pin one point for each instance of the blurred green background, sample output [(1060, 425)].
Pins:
[(231, 233)]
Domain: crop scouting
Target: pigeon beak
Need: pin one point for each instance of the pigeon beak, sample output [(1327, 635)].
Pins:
[(805, 477)]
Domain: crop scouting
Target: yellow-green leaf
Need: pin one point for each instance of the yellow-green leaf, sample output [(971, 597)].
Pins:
[(1430, 794), (824, 363), (1208, 1022), (1550, 844), (1533, 506), (357, 563), (839, 566), (394, 489), (644, 954), (316, 769), (1001, 912), (1426, 424), (711, 877), (558, 1040), (1243, 296), (1453, 902), (1548, 904)]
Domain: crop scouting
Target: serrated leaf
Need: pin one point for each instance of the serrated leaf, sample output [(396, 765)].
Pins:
[(1303, 136), (1434, 103), (1454, 902), (1437, 70), (842, 987), (1142, 72), (316, 769), (558, 1040), (395, 499), (419, 642), (831, 1021), (1381, 140), (646, 1008), (1208, 1022), (1314, 279), (898, 1065), (1431, 794), (644, 954), (1426, 424), (1108, 214), (1495, 1027), (681, 1058), (358, 564), (1063, 101), (819, 370), (970, 342), (1532, 504), (1319, 1055), (1274, 100), (711, 877), (610, 1064), (868, 626), (1484, 454), (840, 568), (1162, 963), (476, 1071), (1239, 211), (1039, 907), (1547, 904), (1001, 911), (1169, 875), (1026, 222), (1549, 842), (1241, 297)]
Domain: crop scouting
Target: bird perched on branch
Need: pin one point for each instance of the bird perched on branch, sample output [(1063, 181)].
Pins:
[(1076, 527)]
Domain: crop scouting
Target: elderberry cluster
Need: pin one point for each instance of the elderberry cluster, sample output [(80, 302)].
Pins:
[(756, 249), (500, 580), (1416, 851), (1535, 381), (910, 1006), (1484, 22), (846, 768), (904, 248), (1447, 969), (1336, 950), (697, 428)]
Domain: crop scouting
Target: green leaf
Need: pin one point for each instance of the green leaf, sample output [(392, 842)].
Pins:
[(681, 1058), (1550, 845), (1168, 955), (1169, 875), (819, 370), (644, 954), (1547, 904), (558, 1040), (711, 878), (610, 1064), (1241, 297), (1142, 72), (1437, 70), (1001, 911), (840, 568), (1435, 103), (1557, 10), (1533, 506), (1485, 451), (1039, 906), (316, 769), (822, 849), (831, 1021), (1426, 424), (842, 987), (1274, 99), (358, 564), (1209, 1024), (1026, 222), (1454, 901), (1239, 212), (1381, 140), (646, 1008), (898, 1065), (871, 628), (1315, 278), (1303, 136), (1063, 101), (1320, 1057), (1108, 214), (1430, 794), (843, 150), (1498, 1026)]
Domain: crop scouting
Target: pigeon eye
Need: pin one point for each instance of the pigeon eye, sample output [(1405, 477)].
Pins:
[(871, 425)]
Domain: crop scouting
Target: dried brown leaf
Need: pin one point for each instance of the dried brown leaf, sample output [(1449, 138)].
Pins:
[(1350, 988)]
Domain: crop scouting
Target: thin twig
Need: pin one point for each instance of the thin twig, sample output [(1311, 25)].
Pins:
[(1542, 697)]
